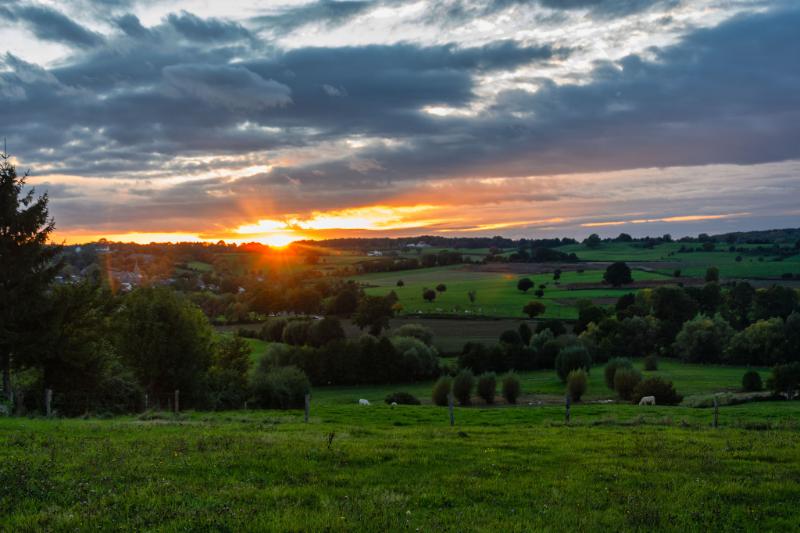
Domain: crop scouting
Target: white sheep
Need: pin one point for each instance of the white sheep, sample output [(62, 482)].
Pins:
[(647, 400), (362, 401), (393, 404)]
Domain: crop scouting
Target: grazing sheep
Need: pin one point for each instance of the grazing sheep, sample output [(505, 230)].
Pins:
[(647, 400), (362, 401), (393, 404)]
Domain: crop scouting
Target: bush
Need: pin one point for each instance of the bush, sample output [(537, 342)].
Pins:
[(511, 388), (462, 386), (525, 333), (327, 330), (441, 390), (279, 388), (487, 386), (651, 363), (785, 379), (611, 368), (576, 384), (625, 382), (511, 337), (296, 332), (273, 330), (402, 398), (662, 389), (417, 331), (572, 358), (751, 381)]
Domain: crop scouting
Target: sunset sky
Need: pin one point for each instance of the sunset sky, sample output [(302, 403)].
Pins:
[(166, 120)]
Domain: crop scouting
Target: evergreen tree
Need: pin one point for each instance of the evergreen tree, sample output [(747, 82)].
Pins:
[(26, 266)]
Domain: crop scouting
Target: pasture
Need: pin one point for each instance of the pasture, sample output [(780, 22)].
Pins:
[(496, 292), (614, 467), (693, 264)]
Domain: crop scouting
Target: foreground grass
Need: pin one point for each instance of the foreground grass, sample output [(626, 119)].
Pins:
[(377, 468)]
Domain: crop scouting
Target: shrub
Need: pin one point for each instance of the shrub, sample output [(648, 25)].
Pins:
[(554, 325), (662, 389), (785, 379), (511, 337), (751, 381), (327, 330), (279, 388), (441, 287), (273, 330), (417, 331), (625, 382), (511, 388), (487, 387), (462, 386), (576, 384), (651, 363), (402, 398), (572, 358), (525, 333), (296, 332), (611, 368), (441, 390)]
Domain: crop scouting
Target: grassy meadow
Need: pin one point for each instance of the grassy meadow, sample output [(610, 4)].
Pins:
[(496, 292), (692, 264), (355, 468)]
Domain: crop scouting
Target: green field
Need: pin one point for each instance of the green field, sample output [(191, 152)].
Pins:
[(692, 381), (375, 468), (692, 264), (497, 293)]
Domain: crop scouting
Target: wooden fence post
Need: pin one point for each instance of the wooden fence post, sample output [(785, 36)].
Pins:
[(177, 401), (566, 413), (716, 411), (450, 409), (48, 402), (308, 407)]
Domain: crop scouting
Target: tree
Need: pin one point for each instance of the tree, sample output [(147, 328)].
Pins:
[(472, 295), (525, 284), (428, 295), (533, 308), (228, 373), (557, 274), (525, 333), (327, 330), (26, 266), (775, 301), (167, 341), (761, 343), (374, 312), (703, 339), (618, 274), (712, 274), (441, 287), (592, 241)]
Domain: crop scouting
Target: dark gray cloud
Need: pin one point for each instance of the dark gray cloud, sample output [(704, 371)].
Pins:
[(328, 12), (130, 24), (51, 25), (232, 87), (195, 28)]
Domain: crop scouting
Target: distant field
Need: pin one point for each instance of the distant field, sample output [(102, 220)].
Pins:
[(496, 292), (692, 264)]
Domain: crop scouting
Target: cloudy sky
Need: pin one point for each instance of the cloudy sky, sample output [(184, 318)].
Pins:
[(251, 120)]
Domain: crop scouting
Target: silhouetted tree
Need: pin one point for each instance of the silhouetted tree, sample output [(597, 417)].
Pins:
[(26, 266)]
